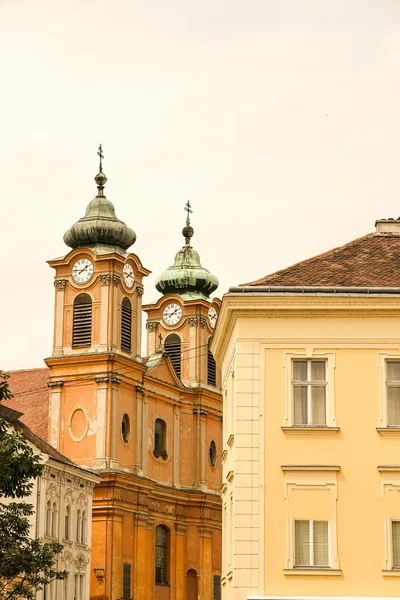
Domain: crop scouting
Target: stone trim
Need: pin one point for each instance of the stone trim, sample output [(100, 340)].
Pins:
[(140, 290), (53, 384), (193, 321), (116, 280), (151, 325)]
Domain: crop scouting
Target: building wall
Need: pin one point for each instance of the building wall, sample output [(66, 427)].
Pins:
[(347, 474)]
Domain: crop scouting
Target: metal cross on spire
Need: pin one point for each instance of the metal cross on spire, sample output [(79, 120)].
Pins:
[(188, 209), (101, 155)]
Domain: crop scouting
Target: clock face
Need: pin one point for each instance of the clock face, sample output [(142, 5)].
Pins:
[(82, 270), (128, 275), (172, 314), (212, 316)]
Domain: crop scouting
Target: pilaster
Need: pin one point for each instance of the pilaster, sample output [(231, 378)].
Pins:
[(59, 285), (177, 429), (139, 430), (139, 292), (55, 390), (114, 422), (151, 326), (105, 280), (101, 420), (145, 426)]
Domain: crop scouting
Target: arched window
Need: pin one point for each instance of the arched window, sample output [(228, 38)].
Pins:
[(78, 526), (126, 325), (48, 518), (82, 327), (54, 520), (172, 347), (67, 519), (83, 527), (162, 558), (211, 366), (160, 441)]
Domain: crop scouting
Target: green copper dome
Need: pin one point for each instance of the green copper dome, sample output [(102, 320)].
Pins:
[(187, 276), (100, 225)]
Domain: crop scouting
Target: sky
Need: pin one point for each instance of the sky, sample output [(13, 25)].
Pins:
[(279, 120)]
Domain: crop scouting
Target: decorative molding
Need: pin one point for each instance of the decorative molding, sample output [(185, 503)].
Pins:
[(230, 475), (139, 389), (310, 467), (151, 326), (310, 430), (200, 411), (105, 279), (180, 528), (103, 379), (53, 384), (388, 468), (203, 322), (60, 284), (116, 380), (140, 290), (116, 280), (193, 321), (311, 571), (388, 431)]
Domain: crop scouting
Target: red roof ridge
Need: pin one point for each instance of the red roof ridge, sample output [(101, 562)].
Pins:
[(308, 260)]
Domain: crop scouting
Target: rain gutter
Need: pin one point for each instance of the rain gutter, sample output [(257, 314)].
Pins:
[(252, 290)]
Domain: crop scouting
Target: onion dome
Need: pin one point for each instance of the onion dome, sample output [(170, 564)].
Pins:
[(100, 225), (186, 276)]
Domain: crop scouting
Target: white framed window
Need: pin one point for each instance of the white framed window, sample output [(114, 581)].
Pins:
[(393, 393), (309, 392), (395, 544), (311, 544)]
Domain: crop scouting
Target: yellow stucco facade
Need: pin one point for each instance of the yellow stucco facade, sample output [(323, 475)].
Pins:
[(343, 473)]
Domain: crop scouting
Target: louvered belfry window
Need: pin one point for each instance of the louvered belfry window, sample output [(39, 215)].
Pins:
[(160, 429), (126, 325), (82, 328), (172, 347), (211, 366)]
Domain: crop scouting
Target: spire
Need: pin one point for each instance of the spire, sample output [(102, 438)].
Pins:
[(100, 225), (186, 276), (188, 231)]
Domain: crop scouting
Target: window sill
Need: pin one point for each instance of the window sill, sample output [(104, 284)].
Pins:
[(388, 430), (310, 430), (312, 571), (229, 575), (231, 439), (391, 573)]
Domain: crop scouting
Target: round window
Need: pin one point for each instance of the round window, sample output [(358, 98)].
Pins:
[(125, 428), (213, 454)]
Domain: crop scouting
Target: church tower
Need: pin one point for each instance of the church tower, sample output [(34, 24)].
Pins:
[(182, 321), (97, 335)]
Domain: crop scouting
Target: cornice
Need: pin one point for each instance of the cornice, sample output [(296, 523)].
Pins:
[(235, 306), (310, 467)]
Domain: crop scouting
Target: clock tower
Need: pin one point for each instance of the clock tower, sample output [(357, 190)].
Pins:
[(182, 321), (97, 334)]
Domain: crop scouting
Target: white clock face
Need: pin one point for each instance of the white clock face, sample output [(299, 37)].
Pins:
[(128, 275), (172, 314), (212, 316), (82, 270)]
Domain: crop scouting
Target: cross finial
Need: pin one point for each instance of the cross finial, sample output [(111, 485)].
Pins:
[(188, 209), (101, 155)]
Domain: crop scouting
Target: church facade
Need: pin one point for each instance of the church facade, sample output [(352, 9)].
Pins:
[(150, 427)]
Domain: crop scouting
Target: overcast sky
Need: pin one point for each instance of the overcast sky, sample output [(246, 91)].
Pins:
[(279, 120)]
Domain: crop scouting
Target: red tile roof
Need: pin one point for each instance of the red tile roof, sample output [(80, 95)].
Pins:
[(369, 261), (31, 397)]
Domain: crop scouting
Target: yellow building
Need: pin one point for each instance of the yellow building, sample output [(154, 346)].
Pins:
[(310, 361)]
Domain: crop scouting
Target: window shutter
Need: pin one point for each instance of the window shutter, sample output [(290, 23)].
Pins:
[(172, 347), (126, 590), (82, 327), (396, 543), (217, 587), (126, 325), (302, 543), (211, 367), (158, 437), (321, 554)]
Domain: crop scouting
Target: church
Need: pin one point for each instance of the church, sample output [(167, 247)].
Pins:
[(151, 426)]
